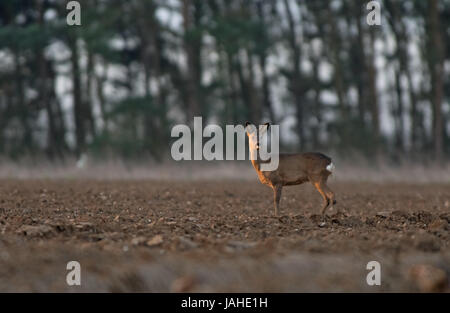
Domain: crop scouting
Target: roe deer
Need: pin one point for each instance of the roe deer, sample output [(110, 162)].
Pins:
[(293, 169)]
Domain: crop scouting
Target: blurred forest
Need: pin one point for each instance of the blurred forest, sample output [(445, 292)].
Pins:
[(117, 84)]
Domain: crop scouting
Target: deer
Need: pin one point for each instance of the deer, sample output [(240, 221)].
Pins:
[(293, 169)]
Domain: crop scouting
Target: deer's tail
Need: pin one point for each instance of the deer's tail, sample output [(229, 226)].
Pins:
[(330, 167)]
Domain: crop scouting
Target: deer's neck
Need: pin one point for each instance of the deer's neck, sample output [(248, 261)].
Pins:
[(255, 160)]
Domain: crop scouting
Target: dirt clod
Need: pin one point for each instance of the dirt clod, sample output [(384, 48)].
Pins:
[(428, 278), (155, 241), (35, 231)]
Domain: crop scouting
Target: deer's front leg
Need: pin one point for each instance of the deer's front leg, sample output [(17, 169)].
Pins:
[(277, 197)]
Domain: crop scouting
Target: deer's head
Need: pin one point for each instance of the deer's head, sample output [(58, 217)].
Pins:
[(252, 133)]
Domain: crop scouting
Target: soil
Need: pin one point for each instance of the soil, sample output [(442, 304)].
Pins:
[(220, 236)]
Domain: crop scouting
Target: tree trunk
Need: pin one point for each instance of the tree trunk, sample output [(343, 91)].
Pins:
[(78, 112), (265, 79), (436, 50), (295, 82), (192, 45), (88, 103), (373, 95), (100, 80), (398, 27), (44, 97), (361, 61), (23, 112)]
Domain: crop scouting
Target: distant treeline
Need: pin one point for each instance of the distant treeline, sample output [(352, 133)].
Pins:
[(133, 69)]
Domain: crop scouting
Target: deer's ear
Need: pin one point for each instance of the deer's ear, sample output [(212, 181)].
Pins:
[(250, 128), (264, 128)]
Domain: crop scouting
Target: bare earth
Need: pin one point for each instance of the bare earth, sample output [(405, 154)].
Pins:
[(208, 236)]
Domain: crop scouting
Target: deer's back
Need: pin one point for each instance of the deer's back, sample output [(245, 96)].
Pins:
[(297, 168)]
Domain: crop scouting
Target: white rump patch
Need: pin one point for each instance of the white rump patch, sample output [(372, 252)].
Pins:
[(330, 167)]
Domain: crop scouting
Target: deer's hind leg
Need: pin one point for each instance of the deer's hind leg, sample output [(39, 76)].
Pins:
[(319, 182), (320, 185), (328, 192)]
